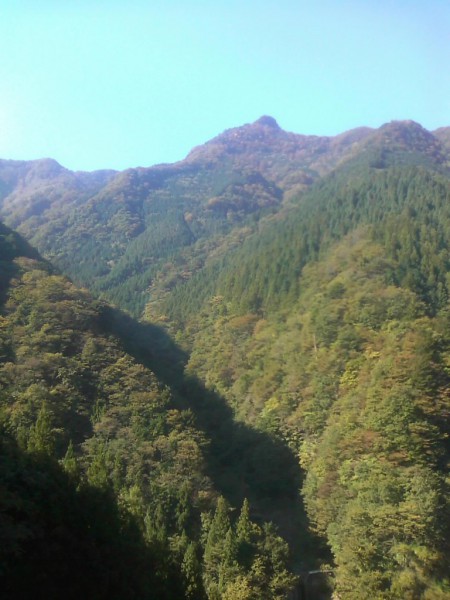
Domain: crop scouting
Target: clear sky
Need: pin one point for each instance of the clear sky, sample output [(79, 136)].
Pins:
[(116, 84)]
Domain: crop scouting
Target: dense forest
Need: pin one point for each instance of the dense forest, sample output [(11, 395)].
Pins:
[(134, 235), (268, 397), (106, 472)]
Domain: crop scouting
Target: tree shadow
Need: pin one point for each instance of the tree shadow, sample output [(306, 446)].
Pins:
[(12, 246), (242, 461), (61, 539)]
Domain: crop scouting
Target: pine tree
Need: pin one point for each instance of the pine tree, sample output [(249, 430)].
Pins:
[(70, 464), (215, 545), (229, 568), (192, 574), (42, 438), (245, 531)]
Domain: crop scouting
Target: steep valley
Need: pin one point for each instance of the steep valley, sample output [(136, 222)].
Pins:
[(253, 382)]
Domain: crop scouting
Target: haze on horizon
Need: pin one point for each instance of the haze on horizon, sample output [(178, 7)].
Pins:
[(113, 85)]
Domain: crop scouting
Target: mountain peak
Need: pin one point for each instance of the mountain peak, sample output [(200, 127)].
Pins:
[(409, 136), (403, 125), (268, 122)]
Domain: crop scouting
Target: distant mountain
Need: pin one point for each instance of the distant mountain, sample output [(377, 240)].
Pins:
[(443, 135), (306, 281), (31, 188), (405, 143), (288, 159), (287, 240), (123, 234)]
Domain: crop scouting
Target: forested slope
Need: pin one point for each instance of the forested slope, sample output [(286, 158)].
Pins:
[(110, 483), (131, 236), (329, 330), (305, 283)]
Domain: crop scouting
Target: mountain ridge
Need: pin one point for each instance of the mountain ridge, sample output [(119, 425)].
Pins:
[(305, 286), (138, 222)]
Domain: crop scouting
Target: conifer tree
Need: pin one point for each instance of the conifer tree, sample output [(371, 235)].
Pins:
[(70, 464), (42, 438), (215, 546), (192, 573)]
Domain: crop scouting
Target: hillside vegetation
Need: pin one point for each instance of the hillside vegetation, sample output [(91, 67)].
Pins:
[(329, 330), (111, 486), (132, 236), (292, 366)]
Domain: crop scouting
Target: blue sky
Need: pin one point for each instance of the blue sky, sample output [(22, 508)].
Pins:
[(117, 84)]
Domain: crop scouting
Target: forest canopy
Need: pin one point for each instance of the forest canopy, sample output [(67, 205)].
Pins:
[(269, 396)]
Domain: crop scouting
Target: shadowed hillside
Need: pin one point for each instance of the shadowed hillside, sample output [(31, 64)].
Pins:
[(293, 367), (165, 455)]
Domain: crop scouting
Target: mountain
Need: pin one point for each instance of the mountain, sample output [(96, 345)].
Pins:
[(265, 268), (112, 486), (133, 235), (329, 330), (303, 285), (30, 188), (290, 160)]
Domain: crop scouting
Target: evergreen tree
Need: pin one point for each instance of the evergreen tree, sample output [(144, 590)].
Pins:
[(42, 438), (192, 573), (70, 464)]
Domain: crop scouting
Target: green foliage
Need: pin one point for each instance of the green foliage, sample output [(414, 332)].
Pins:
[(407, 209), (133, 236), (41, 438), (242, 559), (354, 377), (60, 540), (321, 318), (71, 395)]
